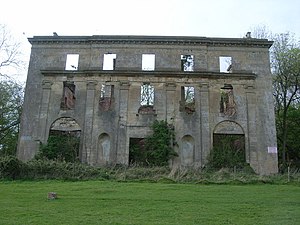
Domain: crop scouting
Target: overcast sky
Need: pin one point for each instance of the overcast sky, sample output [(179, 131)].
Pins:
[(210, 18)]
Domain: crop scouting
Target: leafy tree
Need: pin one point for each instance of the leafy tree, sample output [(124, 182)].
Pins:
[(285, 66), (286, 69), (292, 139), (11, 99), (11, 92)]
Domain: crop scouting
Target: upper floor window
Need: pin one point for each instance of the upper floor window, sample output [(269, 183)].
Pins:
[(109, 61), (187, 102), (189, 94), (72, 62), (106, 97), (227, 103), (148, 62), (147, 94), (225, 64), (68, 98), (187, 63)]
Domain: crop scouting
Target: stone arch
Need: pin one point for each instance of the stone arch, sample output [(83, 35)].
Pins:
[(104, 149), (228, 127), (187, 150), (230, 137), (66, 132), (67, 124)]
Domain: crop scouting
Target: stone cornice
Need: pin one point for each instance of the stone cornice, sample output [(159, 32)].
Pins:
[(245, 75), (151, 40)]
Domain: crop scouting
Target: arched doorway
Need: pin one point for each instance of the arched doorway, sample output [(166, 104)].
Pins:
[(64, 139), (228, 145)]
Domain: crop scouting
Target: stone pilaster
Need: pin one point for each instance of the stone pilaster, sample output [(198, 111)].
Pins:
[(170, 102), (42, 131), (88, 153), (204, 122), (250, 136), (123, 142)]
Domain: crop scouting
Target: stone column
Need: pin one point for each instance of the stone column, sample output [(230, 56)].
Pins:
[(42, 131), (122, 141), (88, 154), (250, 135), (170, 102), (205, 135)]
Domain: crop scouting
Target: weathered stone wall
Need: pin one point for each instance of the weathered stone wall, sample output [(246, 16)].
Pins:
[(107, 124)]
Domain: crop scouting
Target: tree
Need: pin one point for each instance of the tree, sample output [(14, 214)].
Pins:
[(285, 58), (11, 92), (285, 67), (10, 52), (11, 100)]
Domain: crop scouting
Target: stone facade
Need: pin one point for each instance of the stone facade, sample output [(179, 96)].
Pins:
[(100, 95)]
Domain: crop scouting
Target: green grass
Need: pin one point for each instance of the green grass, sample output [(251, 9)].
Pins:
[(107, 202)]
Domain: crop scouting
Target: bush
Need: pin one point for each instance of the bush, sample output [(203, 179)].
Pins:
[(10, 167), (227, 153), (156, 149), (51, 169), (62, 147)]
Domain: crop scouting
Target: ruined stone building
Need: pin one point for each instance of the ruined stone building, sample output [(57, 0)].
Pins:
[(110, 89)]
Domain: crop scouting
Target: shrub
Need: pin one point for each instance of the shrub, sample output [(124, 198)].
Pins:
[(226, 153), (10, 167), (62, 147), (156, 149)]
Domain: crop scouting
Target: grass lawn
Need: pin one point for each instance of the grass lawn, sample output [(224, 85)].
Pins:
[(106, 202)]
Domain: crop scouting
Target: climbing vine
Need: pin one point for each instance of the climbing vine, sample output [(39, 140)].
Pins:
[(156, 149)]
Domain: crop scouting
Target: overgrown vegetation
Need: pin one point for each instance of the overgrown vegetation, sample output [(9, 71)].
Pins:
[(60, 146), (13, 169), (228, 152), (156, 149)]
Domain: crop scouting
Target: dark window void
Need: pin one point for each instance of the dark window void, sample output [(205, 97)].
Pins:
[(72, 62), (148, 62), (109, 61), (68, 98), (106, 97), (187, 63), (187, 102), (227, 103), (225, 63)]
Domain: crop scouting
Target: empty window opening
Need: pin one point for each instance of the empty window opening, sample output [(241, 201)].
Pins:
[(68, 98), (227, 103), (189, 94), (225, 64), (147, 95), (109, 61), (106, 97), (187, 102), (148, 62), (187, 63), (72, 62)]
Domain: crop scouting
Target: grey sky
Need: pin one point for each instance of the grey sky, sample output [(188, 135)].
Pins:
[(210, 18), (213, 18)]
